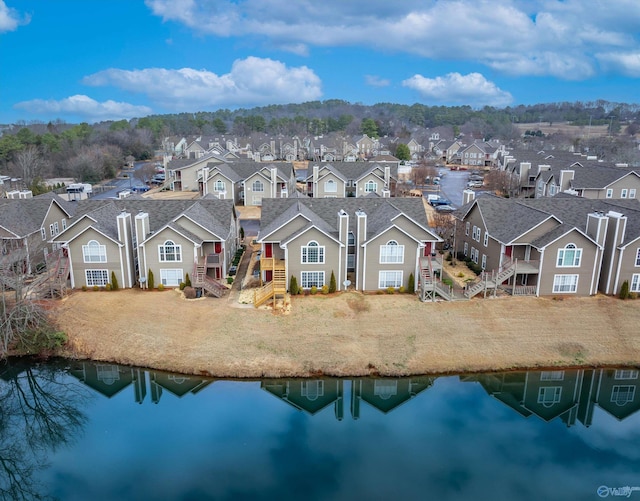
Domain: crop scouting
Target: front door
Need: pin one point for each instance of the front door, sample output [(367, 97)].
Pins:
[(427, 248), (268, 250)]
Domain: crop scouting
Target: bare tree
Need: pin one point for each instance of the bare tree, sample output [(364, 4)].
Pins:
[(444, 225), (29, 164)]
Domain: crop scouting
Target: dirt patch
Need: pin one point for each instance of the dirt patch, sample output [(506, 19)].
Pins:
[(346, 333)]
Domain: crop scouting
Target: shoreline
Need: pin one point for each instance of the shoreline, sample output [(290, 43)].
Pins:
[(348, 334)]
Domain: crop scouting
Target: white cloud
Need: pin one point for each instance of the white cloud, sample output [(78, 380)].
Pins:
[(540, 37), (251, 82), (452, 88), (376, 81), (627, 63), (84, 106), (10, 19)]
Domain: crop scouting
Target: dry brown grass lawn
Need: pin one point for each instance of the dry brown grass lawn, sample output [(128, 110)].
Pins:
[(348, 334)]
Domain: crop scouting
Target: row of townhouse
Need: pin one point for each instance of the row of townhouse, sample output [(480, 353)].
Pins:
[(130, 238), (476, 154), (547, 246), (367, 243), (248, 183), (328, 148), (541, 174)]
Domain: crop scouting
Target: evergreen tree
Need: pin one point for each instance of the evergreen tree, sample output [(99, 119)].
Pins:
[(293, 286), (151, 284), (411, 286), (332, 283), (114, 281)]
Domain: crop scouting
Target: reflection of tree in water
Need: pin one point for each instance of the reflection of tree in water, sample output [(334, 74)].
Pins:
[(39, 412)]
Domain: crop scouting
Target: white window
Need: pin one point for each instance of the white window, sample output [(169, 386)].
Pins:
[(312, 278), (486, 238), (107, 374), (370, 186), (258, 186), (552, 376), (477, 232), (569, 257), (52, 230), (385, 388), (312, 389), (64, 224), (351, 261), (609, 193), (466, 229), (635, 282), (466, 248), (623, 394), (257, 200), (632, 193), (352, 239), (389, 279), (43, 233), (565, 283), (552, 189), (623, 193), (330, 186), (219, 185), (171, 278), (484, 261), (626, 374), (170, 252), (549, 395), (96, 277), (392, 253), (638, 257), (93, 252), (313, 253)]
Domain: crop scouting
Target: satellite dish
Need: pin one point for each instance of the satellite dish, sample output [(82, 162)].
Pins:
[(346, 283)]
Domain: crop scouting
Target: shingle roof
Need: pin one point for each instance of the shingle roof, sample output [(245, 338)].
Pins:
[(25, 216)]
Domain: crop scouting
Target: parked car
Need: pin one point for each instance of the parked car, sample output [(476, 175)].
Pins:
[(475, 184), (445, 208), (440, 202)]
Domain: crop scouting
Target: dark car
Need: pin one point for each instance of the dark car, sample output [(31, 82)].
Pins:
[(440, 201), (445, 208)]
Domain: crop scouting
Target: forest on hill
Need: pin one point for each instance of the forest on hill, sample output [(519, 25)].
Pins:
[(92, 152)]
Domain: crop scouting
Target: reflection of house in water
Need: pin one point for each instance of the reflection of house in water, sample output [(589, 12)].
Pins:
[(310, 395), (177, 384), (110, 379), (386, 394), (568, 394)]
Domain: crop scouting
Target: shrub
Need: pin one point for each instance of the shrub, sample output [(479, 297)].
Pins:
[(314, 290), (189, 292), (96, 288), (229, 280), (633, 295), (411, 286), (241, 232), (624, 290), (182, 286), (449, 257), (293, 286), (160, 287), (390, 290), (108, 287), (379, 292), (402, 290), (332, 283), (114, 281), (150, 282), (325, 289), (187, 281), (447, 281), (84, 287)]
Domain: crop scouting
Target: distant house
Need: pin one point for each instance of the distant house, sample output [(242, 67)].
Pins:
[(353, 179)]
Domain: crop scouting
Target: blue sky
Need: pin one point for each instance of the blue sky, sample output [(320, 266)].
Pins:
[(107, 60)]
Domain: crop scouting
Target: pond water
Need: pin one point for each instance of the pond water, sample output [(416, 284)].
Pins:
[(86, 431)]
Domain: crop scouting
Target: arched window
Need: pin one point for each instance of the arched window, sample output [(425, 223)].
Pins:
[(330, 186), (93, 252), (313, 253), (370, 186), (392, 252), (258, 186), (170, 252), (569, 257), (219, 185)]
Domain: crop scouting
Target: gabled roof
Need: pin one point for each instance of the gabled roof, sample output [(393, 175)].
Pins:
[(25, 216)]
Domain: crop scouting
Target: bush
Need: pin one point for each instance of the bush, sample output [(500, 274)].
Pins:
[(187, 281), (624, 290), (332, 283), (96, 288), (150, 282), (160, 287), (114, 281), (449, 257), (241, 232), (402, 290), (411, 286), (229, 280), (325, 289), (189, 292), (314, 290), (182, 286), (108, 287), (633, 295), (293, 286), (447, 281), (379, 292), (84, 287), (390, 290)]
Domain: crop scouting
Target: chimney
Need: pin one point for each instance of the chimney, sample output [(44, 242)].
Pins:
[(316, 169), (343, 236), (468, 196), (205, 177), (126, 261), (566, 176), (361, 237), (274, 182), (612, 255), (140, 233), (387, 175)]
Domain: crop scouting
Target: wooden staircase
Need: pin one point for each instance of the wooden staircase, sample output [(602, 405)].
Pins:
[(205, 282), (276, 287), (430, 284), (491, 281)]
